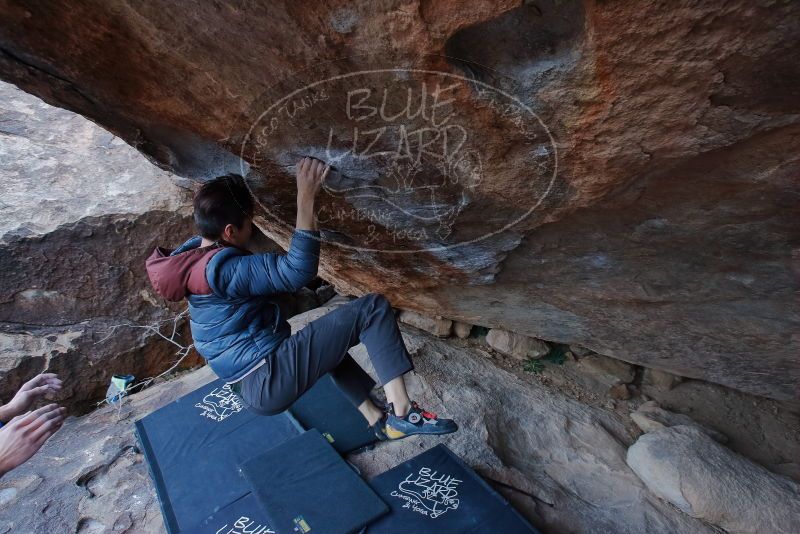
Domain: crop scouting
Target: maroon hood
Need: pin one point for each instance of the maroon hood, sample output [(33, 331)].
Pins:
[(175, 277)]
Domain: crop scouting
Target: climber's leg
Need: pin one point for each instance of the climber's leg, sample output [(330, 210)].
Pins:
[(397, 395), (356, 385), (322, 346), (371, 413)]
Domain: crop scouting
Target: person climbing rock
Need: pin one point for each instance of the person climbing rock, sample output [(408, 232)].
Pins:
[(240, 330), (23, 432)]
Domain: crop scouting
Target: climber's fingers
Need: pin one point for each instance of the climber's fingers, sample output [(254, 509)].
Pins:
[(302, 166), (317, 167)]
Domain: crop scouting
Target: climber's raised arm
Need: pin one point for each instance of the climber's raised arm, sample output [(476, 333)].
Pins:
[(234, 275), (311, 173)]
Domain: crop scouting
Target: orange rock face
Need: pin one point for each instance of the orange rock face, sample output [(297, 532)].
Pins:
[(619, 175)]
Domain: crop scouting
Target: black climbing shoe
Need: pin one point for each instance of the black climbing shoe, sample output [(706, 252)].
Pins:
[(378, 428), (416, 421)]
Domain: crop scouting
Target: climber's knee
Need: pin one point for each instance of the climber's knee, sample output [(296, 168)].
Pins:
[(377, 300)]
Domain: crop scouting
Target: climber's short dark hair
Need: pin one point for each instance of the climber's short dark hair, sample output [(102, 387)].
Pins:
[(222, 201)]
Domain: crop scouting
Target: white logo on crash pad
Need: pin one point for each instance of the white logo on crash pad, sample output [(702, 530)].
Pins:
[(245, 525), (429, 492), (220, 404)]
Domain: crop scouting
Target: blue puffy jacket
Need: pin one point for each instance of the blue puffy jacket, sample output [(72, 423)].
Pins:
[(234, 322)]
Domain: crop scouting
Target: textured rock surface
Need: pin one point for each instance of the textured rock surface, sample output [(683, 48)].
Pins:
[(461, 330), (81, 211), (516, 345), (653, 379), (764, 430), (651, 417), (605, 371), (684, 466), (435, 325), (57, 168), (665, 239)]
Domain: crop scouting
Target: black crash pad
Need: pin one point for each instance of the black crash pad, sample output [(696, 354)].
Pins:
[(194, 446), (242, 516), (436, 492), (325, 408), (305, 486)]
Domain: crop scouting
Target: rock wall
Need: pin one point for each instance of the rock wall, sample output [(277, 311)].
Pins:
[(82, 210), (624, 179), (684, 466)]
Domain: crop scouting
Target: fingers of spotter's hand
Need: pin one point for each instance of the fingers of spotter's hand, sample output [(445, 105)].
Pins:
[(28, 418), (45, 418), (53, 380), (325, 172), (41, 390), (45, 436), (41, 380), (47, 425), (44, 377)]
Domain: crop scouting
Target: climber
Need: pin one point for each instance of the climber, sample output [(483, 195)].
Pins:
[(245, 337), (23, 432)]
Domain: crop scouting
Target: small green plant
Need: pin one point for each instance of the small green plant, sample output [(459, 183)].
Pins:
[(478, 331), (533, 366), (556, 355)]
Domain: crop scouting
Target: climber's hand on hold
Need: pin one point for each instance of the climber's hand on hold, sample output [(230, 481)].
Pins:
[(311, 173), (25, 434)]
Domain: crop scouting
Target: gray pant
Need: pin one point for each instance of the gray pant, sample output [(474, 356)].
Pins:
[(321, 347)]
